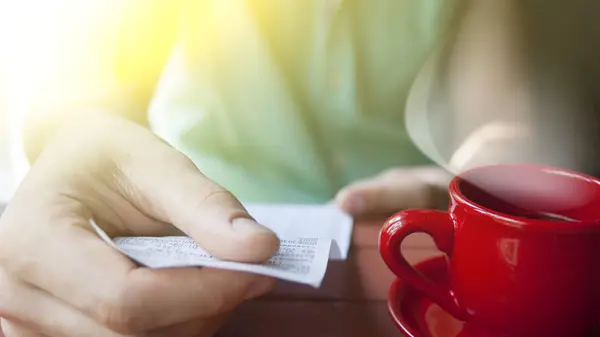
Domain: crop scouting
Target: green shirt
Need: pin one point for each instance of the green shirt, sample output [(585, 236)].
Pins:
[(290, 100)]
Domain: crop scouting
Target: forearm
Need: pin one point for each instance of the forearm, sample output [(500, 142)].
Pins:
[(512, 88)]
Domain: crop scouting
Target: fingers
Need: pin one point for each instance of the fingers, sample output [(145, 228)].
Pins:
[(40, 314), (160, 182), (71, 264), (12, 329), (383, 197), (63, 268), (392, 191), (193, 328), (179, 193), (188, 293), (77, 267)]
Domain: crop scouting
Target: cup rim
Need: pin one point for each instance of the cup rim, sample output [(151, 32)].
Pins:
[(519, 221)]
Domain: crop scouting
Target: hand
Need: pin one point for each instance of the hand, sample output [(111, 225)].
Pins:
[(394, 190), (57, 278)]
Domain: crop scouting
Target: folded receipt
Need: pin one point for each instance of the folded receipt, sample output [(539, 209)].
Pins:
[(310, 236)]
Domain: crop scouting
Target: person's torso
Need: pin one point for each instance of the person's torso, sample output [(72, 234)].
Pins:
[(288, 101)]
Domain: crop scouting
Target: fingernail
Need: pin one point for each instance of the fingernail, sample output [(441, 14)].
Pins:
[(262, 286), (248, 226)]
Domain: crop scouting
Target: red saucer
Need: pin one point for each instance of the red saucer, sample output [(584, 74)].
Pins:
[(414, 314), (417, 316)]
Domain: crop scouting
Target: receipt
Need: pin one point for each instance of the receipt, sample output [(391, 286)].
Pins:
[(301, 260), (308, 221), (310, 235)]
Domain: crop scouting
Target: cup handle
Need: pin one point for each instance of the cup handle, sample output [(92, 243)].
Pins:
[(440, 227)]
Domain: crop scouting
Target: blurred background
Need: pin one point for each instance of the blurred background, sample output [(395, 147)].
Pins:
[(6, 183), (24, 35), (28, 46)]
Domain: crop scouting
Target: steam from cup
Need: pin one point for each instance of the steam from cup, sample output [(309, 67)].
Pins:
[(553, 137)]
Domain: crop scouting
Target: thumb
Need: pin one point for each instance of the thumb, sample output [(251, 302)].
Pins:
[(202, 209)]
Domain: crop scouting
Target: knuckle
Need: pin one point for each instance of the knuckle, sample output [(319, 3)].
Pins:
[(118, 314), (8, 249), (393, 172), (236, 287), (183, 161), (217, 303), (5, 254), (263, 285), (221, 302), (213, 194), (215, 198), (6, 286), (215, 295), (13, 262)]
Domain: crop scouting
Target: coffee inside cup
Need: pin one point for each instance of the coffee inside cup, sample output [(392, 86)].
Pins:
[(546, 216), (532, 192)]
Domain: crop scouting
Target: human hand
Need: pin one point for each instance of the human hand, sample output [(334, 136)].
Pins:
[(394, 190), (57, 278)]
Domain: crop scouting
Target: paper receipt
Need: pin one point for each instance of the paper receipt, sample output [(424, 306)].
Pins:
[(310, 236), (302, 260)]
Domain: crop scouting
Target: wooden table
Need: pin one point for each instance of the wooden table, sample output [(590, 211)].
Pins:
[(351, 301)]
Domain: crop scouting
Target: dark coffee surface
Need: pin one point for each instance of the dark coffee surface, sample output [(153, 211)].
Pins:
[(511, 206), (545, 216)]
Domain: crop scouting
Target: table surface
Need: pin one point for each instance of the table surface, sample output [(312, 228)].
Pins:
[(350, 302)]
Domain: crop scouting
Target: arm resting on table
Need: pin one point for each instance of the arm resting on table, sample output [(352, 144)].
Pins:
[(516, 81)]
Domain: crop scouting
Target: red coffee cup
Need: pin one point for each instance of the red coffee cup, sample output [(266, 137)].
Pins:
[(523, 250)]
